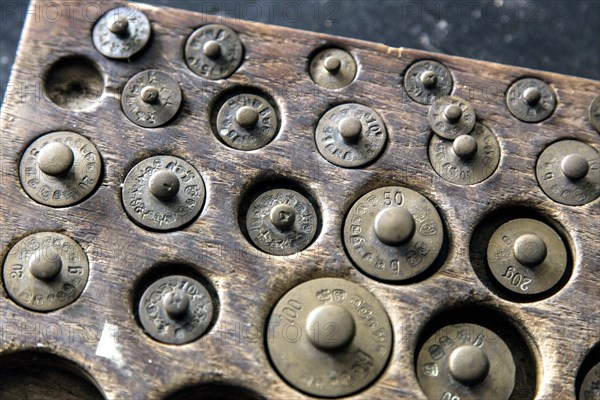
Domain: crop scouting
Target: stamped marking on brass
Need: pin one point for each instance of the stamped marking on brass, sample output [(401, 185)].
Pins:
[(151, 98), (121, 33), (451, 116), (351, 135), (469, 159), (427, 80), (60, 169), (163, 193), (393, 233), (333, 68), (466, 362), (281, 222), (247, 122), (45, 271), (214, 51), (594, 113), (526, 256), (329, 337), (176, 310), (590, 386), (569, 172), (531, 100)]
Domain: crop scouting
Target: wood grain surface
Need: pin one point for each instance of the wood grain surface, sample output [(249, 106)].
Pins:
[(558, 330)]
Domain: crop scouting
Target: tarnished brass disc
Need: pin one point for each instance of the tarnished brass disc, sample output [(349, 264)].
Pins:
[(163, 193), (329, 337), (531, 100), (176, 310), (45, 271), (121, 33), (526, 256), (351, 135), (214, 51), (451, 116), (393, 233), (60, 169), (569, 172), (151, 98), (427, 80), (468, 159), (281, 222), (467, 362), (333, 68), (247, 122)]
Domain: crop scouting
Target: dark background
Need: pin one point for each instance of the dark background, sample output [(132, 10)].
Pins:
[(554, 35)]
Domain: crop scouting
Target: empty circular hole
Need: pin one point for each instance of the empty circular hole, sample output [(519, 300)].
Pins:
[(74, 83), (215, 391), (39, 376)]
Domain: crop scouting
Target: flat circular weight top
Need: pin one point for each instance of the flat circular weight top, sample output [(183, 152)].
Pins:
[(333, 68), (329, 337), (176, 309), (121, 33), (526, 256), (468, 361), (214, 51), (45, 271), (569, 172), (590, 386), (531, 100), (60, 169), (451, 116), (467, 160), (398, 228), (151, 98), (246, 122), (351, 135), (427, 80), (281, 222), (163, 193)]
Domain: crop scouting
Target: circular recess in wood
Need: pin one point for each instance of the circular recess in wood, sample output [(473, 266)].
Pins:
[(74, 83), (39, 375), (490, 249), (262, 216), (175, 303), (245, 118), (483, 327), (587, 383)]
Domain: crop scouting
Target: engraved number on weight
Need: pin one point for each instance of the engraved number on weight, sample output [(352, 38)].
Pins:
[(290, 312), (450, 396), (75, 269), (516, 278), (17, 271), (430, 369), (397, 199)]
